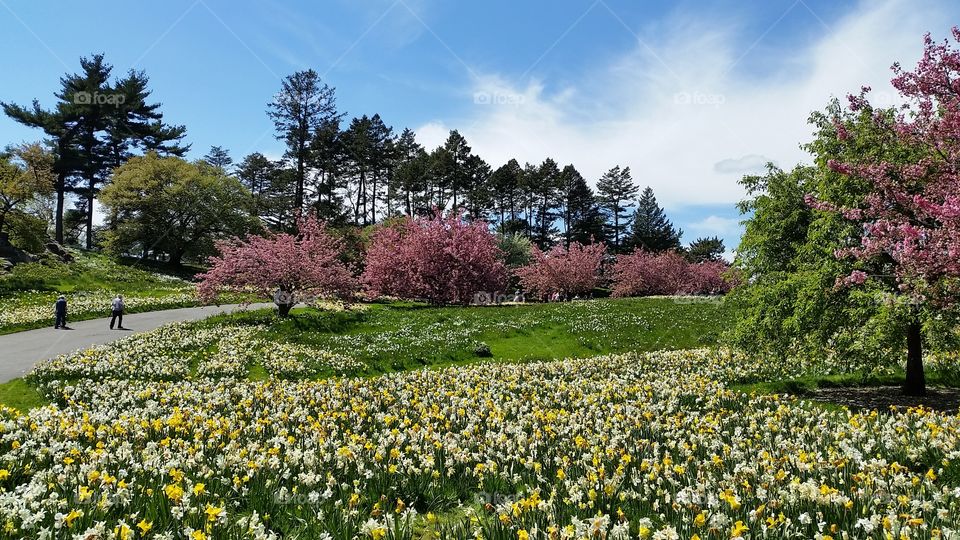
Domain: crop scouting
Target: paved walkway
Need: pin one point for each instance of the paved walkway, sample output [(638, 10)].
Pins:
[(19, 352)]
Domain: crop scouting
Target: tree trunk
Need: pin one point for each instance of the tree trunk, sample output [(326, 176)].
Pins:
[(90, 198), (58, 215), (298, 191), (916, 384), (284, 309)]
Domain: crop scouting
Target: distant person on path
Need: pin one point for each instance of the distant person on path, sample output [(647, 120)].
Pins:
[(117, 313), (60, 308)]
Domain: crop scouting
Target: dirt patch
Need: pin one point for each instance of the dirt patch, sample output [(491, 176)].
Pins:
[(882, 398)]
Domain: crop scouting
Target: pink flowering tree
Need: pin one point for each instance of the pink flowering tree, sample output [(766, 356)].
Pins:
[(910, 216), (568, 271), (286, 268), (643, 273), (443, 260)]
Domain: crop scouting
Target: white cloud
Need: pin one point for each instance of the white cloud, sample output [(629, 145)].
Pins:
[(750, 164), (713, 226), (681, 112)]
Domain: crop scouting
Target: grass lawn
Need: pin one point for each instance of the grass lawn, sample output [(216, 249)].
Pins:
[(398, 336)]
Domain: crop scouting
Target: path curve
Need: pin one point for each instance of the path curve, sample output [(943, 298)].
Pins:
[(20, 351)]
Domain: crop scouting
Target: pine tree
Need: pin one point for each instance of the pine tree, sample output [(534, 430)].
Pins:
[(582, 220), (407, 181), (478, 198), (546, 199), (326, 162), (452, 168), (705, 249), (615, 193), (219, 157), (505, 183), (92, 129), (303, 106), (652, 231), (257, 174)]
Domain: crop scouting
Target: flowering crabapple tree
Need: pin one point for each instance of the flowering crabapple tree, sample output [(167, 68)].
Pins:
[(909, 217), (287, 268), (442, 259), (568, 271), (643, 273)]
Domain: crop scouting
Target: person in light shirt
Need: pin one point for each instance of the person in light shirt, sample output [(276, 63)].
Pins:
[(117, 313)]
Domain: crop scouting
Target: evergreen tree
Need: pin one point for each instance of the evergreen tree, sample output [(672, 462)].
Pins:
[(652, 231), (368, 146), (478, 198), (705, 249), (582, 220), (92, 129), (302, 107), (505, 183), (615, 193), (408, 180), (454, 166), (326, 161), (545, 192), (271, 196), (219, 157)]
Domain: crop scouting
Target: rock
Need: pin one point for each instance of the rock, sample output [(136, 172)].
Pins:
[(12, 254), (59, 251)]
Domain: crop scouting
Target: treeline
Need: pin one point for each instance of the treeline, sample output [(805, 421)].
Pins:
[(355, 172), (366, 172)]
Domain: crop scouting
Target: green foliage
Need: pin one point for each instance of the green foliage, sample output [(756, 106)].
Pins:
[(27, 232), (615, 193), (166, 205), (516, 249), (790, 304), (652, 231), (705, 249)]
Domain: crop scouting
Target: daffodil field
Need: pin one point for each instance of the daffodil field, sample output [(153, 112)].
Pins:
[(165, 435)]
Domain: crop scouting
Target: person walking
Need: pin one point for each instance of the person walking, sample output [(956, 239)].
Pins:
[(60, 309), (117, 314)]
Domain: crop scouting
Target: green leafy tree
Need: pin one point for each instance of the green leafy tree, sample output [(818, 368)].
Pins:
[(168, 206), (26, 172), (789, 305)]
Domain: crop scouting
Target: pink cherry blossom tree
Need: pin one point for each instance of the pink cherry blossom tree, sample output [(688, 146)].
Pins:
[(910, 216), (643, 273), (568, 271), (286, 268), (443, 259)]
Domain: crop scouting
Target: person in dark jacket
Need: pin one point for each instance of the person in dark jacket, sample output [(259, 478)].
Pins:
[(60, 309)]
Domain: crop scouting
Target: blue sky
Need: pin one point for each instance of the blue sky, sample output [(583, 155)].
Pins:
[(690, 95)]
